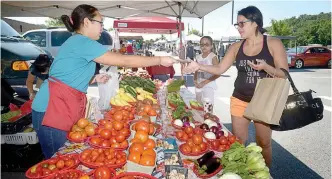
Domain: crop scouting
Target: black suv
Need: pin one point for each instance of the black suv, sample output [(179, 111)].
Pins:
[(17, 54)]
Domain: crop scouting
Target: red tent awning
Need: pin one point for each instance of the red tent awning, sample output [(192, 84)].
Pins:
[(152, 25)]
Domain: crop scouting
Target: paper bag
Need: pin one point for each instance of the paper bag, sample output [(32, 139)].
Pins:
[(268, 101)]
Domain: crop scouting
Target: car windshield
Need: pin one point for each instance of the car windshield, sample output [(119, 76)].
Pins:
[(299, 50), (7, 30)]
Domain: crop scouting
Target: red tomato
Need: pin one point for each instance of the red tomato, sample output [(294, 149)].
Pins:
[(197, 139), (215, 144), (102, 173), (189, 130), (106, 143), (105, 134), (222, 148), (203, 146), (223, 141), (232, 139)]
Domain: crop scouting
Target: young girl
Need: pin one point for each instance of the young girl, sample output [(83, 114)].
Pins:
[(40, 70), (205, 82)]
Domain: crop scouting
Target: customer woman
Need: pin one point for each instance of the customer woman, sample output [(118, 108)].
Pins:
[(39, 69), (61, 99), (205, 82), (256, 57)]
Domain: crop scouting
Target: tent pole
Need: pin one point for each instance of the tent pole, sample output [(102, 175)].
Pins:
[(181, 45), (232, 12), (202, 26)]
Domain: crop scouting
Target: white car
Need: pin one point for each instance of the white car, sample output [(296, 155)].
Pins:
[(52, 38)]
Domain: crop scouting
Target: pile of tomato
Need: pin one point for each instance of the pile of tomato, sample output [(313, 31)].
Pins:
[(99, 157), (53, 165), (223, 143), (111, 134), (123, 114), (81, 130)]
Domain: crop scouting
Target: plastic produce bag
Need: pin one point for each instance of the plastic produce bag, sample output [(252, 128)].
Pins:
[(109, 89)]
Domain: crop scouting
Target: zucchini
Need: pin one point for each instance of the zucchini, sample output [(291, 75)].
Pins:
[(131, 91)]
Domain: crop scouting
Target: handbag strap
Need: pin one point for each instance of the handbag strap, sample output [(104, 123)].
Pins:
[(296, 91)]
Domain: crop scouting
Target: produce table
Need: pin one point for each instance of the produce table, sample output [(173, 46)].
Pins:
[(167, 131)]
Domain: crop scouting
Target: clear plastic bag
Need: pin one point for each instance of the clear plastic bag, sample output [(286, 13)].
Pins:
[(109, 89)]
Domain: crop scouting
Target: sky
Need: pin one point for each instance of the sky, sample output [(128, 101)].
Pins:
[(277, 10)]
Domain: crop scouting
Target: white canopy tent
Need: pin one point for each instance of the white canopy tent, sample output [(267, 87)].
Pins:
[(194, 38), (112, 9), (231, 34), (161, 42)]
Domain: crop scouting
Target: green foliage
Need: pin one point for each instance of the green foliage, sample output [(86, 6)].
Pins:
[(309, 29), (54, 22), (195, 32)]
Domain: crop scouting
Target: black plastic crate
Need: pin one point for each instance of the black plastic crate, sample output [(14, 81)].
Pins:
[(16, 126), (19, 158)]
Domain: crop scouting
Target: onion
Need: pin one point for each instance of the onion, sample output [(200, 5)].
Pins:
[(210, 135), (219, 126), (192, 125), (225, 132), (207, 116), (219, 134), (214, 129), (186, 124), (185, 119), (208, 121), (205, 127), (178, 122), (212, 124)]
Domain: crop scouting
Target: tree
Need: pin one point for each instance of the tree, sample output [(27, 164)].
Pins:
[(54, 22), (110, 29), (280, 28), (308, 29), (195, 32)]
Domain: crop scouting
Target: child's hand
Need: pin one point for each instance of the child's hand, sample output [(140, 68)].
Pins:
[(200, 85)]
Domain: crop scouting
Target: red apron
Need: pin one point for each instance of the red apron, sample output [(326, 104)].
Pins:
[(65, 107)]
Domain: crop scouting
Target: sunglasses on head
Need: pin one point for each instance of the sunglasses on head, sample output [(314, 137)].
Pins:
[(241, 24)]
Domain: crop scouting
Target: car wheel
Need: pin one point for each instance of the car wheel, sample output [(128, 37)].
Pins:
[(329, 64), (299, 64)]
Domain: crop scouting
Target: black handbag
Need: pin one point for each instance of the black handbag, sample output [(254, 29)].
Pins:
[(301, 109)]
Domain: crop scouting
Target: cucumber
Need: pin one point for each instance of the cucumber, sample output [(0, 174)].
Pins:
[(131, 91)]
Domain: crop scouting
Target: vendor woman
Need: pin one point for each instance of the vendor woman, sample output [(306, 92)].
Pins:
[(61, 100)]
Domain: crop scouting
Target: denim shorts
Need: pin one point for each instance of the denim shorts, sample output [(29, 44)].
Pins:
[(50, 139)]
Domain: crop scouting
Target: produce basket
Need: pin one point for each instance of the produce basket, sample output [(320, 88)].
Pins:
[(134, 167), (193, 154), (75, 141), (91, 173), (101, 147), (195, 170), (136, 175), (91, 165), (72, 156), (61, 173)]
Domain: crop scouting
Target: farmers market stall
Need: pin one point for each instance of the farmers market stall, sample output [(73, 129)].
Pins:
[(153, 130)]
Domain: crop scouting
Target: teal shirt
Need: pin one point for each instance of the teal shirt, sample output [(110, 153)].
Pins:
[(74, 65)]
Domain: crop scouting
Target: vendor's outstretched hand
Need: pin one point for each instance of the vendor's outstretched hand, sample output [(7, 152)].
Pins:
[(167, 61), (192, 67)]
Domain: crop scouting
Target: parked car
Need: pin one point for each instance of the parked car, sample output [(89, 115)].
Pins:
[(52, 38), (17, 54), (305, 56)]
